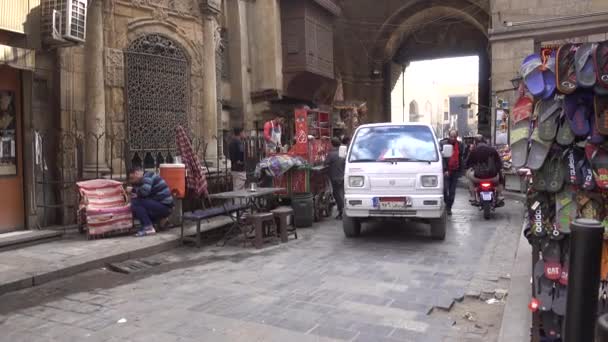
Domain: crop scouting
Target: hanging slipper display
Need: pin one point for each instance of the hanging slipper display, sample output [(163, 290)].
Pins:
[(600, 104), (599, 162), (600, 59), (549, 112), (532, 72), (565, 136), (585, 68), (577, 111), (565, 68), (566, 209), (539, 149), (543, 289), (548, 68)]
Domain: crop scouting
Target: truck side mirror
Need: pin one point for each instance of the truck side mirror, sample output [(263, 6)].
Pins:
[(447, 151)]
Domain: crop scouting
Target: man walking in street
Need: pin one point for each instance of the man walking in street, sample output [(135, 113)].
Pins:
[(151, 199), (336, 174), (452, 169), (236, 151)]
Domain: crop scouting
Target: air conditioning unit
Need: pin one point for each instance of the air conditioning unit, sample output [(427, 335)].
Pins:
[(63, 22)]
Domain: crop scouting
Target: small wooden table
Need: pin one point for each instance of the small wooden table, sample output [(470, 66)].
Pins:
[(251, 203)]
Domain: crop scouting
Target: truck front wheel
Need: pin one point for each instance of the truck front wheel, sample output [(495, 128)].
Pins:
[(438, 227)]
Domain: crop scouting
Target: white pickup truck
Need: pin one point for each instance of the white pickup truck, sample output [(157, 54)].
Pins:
[(394, 171)]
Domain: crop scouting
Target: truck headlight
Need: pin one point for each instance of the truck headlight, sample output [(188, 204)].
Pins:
[(429, 181), (356, 181)]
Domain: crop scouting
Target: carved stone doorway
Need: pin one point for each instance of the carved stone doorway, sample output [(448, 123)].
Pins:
[(157, 93)]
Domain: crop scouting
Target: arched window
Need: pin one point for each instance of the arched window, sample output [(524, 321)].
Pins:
[(414, 111)]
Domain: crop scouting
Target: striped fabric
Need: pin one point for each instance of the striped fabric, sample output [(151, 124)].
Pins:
[(104, 206)]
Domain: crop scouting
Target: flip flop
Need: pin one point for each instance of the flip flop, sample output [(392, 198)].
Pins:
[(552, 326), (587, 173), (565, 136), (577, 112), (559, 299), (548, 113), (538, 213), (599, 162), (565, 209), (539, 149), (563, 279), (589, 205), (600, 104), (549, 75), (532, 73), (595, 137), (543, 287), (551, 252), (585, 68), (600, 59), (539, 180), (565, 68), (554, 172), (573, 158)]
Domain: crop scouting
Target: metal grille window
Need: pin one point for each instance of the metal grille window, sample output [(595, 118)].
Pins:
[(157, 89)]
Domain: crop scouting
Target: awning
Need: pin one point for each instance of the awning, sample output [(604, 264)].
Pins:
[(18, 58)]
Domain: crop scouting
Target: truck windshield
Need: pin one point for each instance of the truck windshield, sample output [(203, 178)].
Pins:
[(394, 144)]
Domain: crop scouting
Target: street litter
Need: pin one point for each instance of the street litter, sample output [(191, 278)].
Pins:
[(492, 301), (122, 321)]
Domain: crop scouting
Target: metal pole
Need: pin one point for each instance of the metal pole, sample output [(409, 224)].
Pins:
[(403, 92), (583, 280)]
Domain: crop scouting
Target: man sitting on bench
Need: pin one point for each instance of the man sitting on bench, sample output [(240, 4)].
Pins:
[(151, 199)]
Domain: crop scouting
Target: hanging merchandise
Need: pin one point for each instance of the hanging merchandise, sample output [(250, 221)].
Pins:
[(558, 129)]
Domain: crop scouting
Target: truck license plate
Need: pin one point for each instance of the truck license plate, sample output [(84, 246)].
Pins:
[(394, 203), (486, 196)]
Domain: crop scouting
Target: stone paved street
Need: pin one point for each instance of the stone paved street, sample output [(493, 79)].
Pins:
[(322, 287)]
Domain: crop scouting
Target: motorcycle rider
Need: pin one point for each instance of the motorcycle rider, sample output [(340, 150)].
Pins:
[(483, 162)]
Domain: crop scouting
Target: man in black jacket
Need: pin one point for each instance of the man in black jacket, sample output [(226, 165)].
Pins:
[(484, 162), (452, 169), (336, 174), (237, 160)]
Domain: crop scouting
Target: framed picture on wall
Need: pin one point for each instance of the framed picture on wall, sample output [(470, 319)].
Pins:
[(8, 134)]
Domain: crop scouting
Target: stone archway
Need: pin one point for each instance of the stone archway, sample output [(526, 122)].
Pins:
[(405, 31), (157, 88)]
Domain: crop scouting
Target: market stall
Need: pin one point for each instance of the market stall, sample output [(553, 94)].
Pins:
[(301, 170), (558, 131)]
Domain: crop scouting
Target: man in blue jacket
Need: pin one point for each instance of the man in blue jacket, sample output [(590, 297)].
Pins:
[(151, 199)]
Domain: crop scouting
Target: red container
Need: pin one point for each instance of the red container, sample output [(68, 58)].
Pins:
[(175, 177)]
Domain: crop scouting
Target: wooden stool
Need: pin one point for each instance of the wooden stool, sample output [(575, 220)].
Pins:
[(259, 220), (280, 216)]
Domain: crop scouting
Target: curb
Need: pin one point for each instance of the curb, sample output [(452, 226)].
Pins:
[(516, 319), (170, 240), (45, 277)]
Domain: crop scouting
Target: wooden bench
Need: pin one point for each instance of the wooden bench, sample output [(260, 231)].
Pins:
[(204, 214)]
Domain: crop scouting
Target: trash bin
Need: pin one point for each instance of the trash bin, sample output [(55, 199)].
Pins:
[(303, 209)]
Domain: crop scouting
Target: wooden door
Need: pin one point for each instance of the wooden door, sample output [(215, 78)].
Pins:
[(12, 212)]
